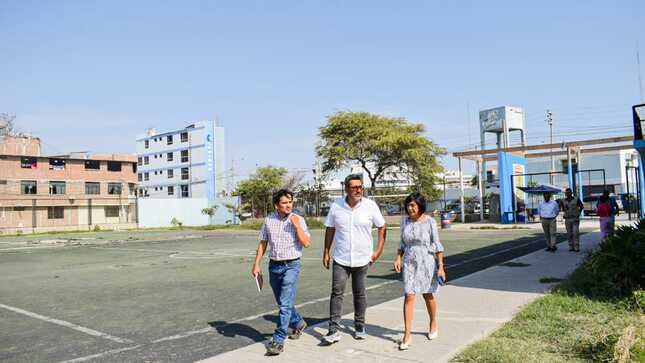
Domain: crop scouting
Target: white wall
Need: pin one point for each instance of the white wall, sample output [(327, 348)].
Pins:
[(158, 212)]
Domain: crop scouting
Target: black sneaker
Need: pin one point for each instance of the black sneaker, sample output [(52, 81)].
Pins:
[(571, 249), (548, 249), (297, 332), (275, 348)]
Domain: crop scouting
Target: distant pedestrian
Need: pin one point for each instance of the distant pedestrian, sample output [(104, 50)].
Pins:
[(549, 210), (286, 234), (604, 210), (349, 224), (572, 208), (420, 258), (614, 212)]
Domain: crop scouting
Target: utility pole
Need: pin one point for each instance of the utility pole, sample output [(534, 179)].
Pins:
[(549, 120)]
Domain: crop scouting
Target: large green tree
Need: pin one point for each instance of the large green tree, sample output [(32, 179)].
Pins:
[(380, 144), (256, 191)]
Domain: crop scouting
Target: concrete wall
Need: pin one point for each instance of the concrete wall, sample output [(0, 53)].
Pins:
[(159, 212)]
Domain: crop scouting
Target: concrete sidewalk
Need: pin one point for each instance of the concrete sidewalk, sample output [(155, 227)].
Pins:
[(469, 309)]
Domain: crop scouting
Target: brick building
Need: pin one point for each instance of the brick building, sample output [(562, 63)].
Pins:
[(75, 191)]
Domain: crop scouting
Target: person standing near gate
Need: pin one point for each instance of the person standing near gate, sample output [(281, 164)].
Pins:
[(572, 208), (549, 210), (349, 225)]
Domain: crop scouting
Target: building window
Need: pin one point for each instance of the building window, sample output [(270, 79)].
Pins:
[(56, 187), (146, 160), (56, 164), (92, 188), (134, 168), (184, 156), (28, 187), (146, 176), (131, 189), (155, 156), (28, 163), (92, 165), (169, 140), (184, 191), (184, 173), (146, 144), (171, 190), (18, 209), (139, 161), (112, 211), (114, 165), (139, 177), (55, 212), (169, 156), (171, 173), (184, 137), (114, 188)]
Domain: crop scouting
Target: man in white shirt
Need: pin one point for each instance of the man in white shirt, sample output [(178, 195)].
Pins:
[(350, 221), (549, 210)]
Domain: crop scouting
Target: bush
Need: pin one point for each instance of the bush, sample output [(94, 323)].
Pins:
[(620, 259)]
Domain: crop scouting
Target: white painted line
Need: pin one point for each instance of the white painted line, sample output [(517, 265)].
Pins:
[(67, 324), (253, 317), (99, 355)]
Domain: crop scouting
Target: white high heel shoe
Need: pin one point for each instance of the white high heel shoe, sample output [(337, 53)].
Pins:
[(432, 336), (403, 345)]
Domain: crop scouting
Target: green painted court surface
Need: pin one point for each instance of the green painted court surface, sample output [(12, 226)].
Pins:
[(178, 295)]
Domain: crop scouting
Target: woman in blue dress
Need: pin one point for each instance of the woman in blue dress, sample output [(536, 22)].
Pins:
[(420, 258)]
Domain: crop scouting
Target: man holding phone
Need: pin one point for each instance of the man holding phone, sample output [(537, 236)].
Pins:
[(286, 234)]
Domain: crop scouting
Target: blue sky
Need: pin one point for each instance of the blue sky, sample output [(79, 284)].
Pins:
[(91, 75)]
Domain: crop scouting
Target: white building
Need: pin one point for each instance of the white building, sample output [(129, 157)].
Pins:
[(613, 163), (184, 163)]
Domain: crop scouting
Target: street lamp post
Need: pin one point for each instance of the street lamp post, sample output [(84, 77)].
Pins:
[(549, 120)]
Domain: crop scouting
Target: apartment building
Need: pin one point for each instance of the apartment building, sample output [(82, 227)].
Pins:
[(183, 163), (76, 191)]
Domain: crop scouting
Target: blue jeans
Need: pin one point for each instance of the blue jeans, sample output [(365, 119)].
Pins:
[(284, 279)]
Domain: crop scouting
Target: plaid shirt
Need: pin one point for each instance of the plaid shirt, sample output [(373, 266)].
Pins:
[(281, 236)]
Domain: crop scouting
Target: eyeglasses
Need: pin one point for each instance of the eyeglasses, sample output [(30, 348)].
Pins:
[(356, 188)]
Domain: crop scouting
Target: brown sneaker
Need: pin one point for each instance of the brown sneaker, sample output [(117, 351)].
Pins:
[(275, 348), (297, 332)]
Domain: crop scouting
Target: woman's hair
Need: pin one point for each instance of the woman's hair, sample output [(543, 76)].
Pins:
[(603, 199), (419, 199)]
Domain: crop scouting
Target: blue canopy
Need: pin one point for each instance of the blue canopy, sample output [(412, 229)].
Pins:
[(541, 189)]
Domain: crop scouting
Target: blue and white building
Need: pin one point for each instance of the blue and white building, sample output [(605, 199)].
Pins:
[(183, 163), (182, 172)]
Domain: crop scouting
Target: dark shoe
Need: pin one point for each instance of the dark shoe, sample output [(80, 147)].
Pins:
[(571, 249), (275, 348), (548, 249), (331, 337), (297, 332), (553, 249), (577, 249)]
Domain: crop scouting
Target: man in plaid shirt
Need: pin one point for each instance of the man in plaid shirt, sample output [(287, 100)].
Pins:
[(286, 234)]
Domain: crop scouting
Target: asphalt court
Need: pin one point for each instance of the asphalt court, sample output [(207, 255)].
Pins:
[(180, 296)]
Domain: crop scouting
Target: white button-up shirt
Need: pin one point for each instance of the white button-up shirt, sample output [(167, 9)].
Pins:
[(549, 209), (354, 245)]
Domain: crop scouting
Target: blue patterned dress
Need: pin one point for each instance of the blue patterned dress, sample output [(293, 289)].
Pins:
[(419, 243)]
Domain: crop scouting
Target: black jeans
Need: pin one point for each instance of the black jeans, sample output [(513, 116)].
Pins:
[(340, 274)]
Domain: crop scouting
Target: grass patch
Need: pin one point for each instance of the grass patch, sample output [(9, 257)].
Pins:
[(579, 321), (514, 264), (549, 280)]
